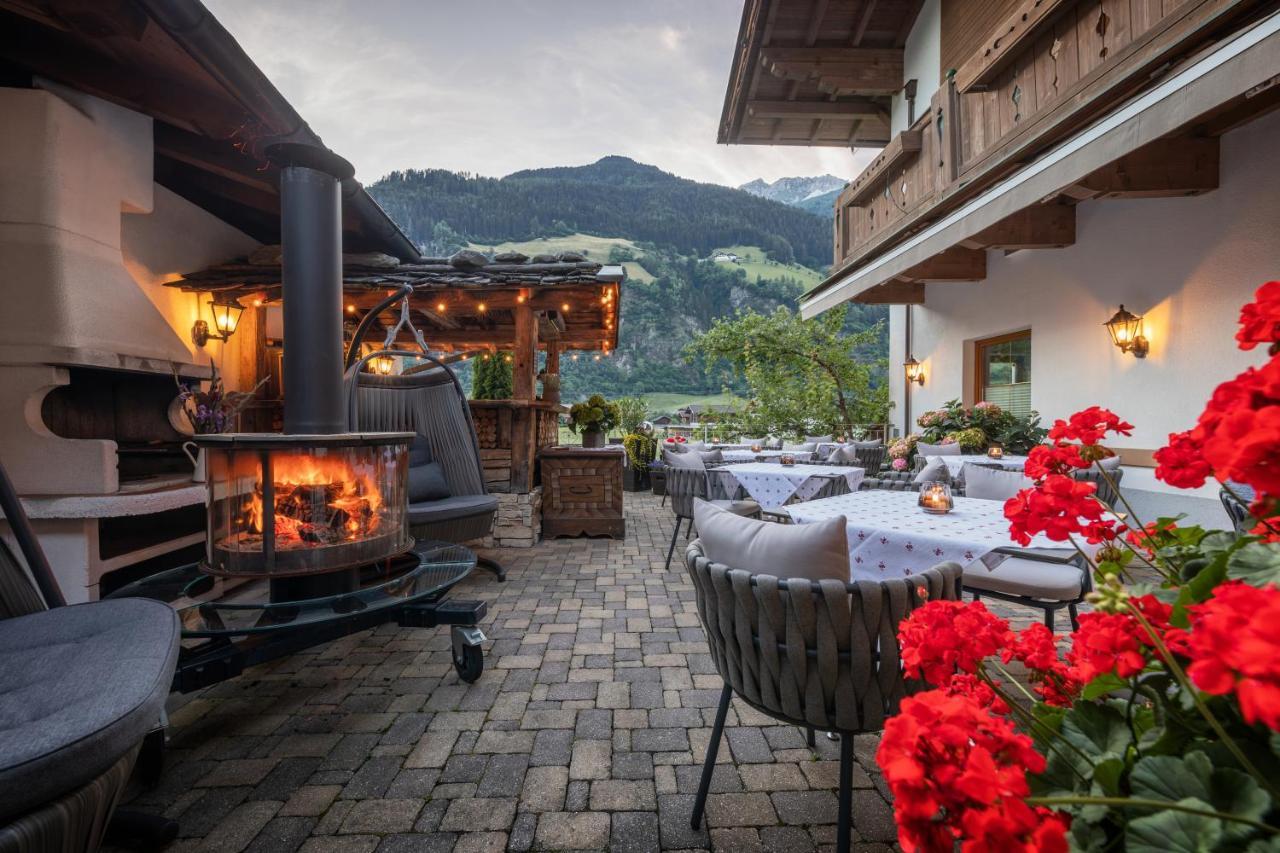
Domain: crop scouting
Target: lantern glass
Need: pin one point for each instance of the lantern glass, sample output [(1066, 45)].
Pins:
[(382, 365), (226, 316), (1125, 328), (936, 498), (914, 370)]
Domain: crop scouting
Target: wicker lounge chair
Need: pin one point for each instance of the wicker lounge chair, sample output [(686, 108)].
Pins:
[(430, 401), (822, 657), (685, 484), (82, 687)]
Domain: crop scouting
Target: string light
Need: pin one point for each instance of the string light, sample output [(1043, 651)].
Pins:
[(351, 309), (257, 303), (565, 307), (483, 308), (440, 306), (575, 356), (506, 358), (597, 358), (520, 298)]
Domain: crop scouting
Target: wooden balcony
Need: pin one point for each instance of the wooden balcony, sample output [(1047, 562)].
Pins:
[(1047, 72)]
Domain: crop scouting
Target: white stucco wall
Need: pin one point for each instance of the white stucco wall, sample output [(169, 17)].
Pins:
[(1186, 264), (922, 57)]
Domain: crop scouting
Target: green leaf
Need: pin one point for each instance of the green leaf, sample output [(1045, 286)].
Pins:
[(1098, 731), (1102, 685), (1107, 775), (1174, 832), (1257, 564), (1264, 845), (1193, 776)]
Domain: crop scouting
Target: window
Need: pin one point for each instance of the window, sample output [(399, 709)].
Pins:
[(1003, 374)]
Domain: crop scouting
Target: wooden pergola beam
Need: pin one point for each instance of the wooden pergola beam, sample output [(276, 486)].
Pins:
[(1178, 166), (1044, 226), (955, 264)]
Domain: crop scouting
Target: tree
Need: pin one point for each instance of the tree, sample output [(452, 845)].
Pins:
[(804, 375), (492, 378)]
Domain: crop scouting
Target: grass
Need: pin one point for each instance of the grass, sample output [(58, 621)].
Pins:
[(662, 403), (595, 248), (757, 265)]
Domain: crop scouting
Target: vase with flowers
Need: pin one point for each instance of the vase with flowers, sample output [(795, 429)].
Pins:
[(1159, 729), (593, 419), (209, 410)]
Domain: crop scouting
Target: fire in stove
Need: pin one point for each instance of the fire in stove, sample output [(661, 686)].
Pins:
[(295, 504)]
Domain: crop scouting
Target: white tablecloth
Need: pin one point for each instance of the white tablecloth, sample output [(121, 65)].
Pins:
[(750, 455), (889, 536), (955, 463), (771, 485)]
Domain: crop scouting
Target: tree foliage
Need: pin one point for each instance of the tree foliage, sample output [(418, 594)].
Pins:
[(492, 378), (804, 376)]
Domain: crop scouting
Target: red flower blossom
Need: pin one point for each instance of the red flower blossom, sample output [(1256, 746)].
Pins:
[(943, 636), (1089, 426), (1150, 537), (1260, 319), (1181, 463), (964, 684), (958, 773), (1117, 642), (1036, 648), (1058, 507), (1234, 646), (1245, 446), (1060, 458)]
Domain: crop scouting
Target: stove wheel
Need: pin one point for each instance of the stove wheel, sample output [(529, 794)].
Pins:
[(468, 656)]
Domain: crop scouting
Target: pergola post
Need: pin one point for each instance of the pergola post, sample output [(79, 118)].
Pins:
[(553, 357), (525, 355)]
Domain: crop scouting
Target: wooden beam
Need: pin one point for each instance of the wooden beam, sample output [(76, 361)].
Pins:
[(523, 353), (853, 108), (893, 293), (863, 70), (1166, 168), (902, 149), (1044, 226), (553, 357), (955, 264)]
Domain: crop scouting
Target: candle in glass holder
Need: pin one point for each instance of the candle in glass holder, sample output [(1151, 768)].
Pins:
[(756, 448), (936, 498), (787, 459), (995, 451)]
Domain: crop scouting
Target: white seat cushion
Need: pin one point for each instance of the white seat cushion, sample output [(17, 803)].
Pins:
[(818, 551), (1027, 578), (992, 484), (938, 449), (745, 509), (934, 471)]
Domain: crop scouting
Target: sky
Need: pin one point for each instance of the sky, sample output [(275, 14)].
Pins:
[(494, 86)]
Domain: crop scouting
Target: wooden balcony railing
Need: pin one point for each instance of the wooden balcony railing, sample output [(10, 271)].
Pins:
[(1048, 71)]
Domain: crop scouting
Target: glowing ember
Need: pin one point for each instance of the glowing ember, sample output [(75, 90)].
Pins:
[(318, 500)]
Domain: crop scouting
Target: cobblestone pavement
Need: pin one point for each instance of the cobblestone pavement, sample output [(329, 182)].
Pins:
[(586, 731)]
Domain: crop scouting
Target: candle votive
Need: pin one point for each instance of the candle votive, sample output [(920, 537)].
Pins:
[(995, 452), (936, 498), (787, 459)]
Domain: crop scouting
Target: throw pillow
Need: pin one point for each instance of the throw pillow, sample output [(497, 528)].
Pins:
[(683, 460), (818, 551), (845, 455), (419, 451), (937, 449), (992, 484), (427, 483), (934, 471), (711, 457), (803, 447), (866, 445), (818, 439)]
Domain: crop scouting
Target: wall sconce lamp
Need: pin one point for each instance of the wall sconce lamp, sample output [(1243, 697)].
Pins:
[(914, 370), (225, 311), (1126, 333), (382, 365)]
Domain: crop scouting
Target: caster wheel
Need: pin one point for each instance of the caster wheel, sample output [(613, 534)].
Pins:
[(469, 662), (150, 763)]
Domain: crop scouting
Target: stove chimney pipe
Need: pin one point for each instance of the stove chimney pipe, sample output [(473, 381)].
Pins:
[(311, 238)]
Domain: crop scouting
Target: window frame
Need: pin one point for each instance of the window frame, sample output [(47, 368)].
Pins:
[(980, 346)]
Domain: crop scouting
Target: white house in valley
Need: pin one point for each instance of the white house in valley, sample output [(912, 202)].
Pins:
[(1042, 165)]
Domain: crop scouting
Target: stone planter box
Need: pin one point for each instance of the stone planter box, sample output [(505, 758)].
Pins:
[(635, 479)]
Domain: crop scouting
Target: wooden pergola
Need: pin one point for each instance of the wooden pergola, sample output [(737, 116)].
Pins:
[(464, 305)]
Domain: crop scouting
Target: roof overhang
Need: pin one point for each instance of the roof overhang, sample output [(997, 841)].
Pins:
[(1229, 70)]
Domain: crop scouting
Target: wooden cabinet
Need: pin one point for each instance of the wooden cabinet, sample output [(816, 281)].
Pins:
[(582, 491)]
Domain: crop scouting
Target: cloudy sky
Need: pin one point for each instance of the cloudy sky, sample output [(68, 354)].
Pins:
[(494, 86)]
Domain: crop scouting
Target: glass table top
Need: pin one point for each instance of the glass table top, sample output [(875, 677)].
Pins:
[(210, 606)]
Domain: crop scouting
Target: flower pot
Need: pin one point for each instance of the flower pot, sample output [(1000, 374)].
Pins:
[(635, 479), (593, 438)]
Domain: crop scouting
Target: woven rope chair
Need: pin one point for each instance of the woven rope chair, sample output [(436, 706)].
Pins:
[(816, 654), (1233, 501), (684, 485), (1108, 492)]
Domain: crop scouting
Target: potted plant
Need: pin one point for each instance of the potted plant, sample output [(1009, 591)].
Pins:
[(593, 418), (1160, 727), (209, 411), (640, 447)]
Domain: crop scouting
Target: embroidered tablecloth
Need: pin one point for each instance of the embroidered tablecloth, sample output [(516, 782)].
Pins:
[(890, 536), (956, 463), (751, 455), (771, 485)]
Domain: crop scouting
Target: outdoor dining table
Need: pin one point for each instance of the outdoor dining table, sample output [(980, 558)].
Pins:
[(956, 463), (755, 455), (890, 536), (771, 485)]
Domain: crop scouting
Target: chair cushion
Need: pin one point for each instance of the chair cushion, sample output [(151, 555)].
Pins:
[(419, 451), (747, 509), (818, 551), (867, 445), (938, 449), (844, 455), (819, 439), (683, 460), (80, 686), (992, 484), (1111, 464), (454, 506), (1027, 578), (427, 483), (803, 447), (934, 471), (711, 457)]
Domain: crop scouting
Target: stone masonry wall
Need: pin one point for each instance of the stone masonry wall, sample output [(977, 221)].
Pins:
[(519, 521)]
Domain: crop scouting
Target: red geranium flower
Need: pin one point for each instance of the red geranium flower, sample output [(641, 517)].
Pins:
[(1245, 446), (1058, 507), (1151, 536), (943, 636), (1234, 645), (1181, 463), (1260, 319), (1116, 643), (1060, 458), (1089, 426), (1036, 648)]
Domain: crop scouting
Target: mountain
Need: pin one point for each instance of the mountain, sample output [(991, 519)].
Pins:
[(615, 196), (798, 192), (822, 205)]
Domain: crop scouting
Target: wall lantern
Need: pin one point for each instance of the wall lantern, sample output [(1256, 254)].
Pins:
[(382, 365), (1126, 333), (225, 311), (914, 370)]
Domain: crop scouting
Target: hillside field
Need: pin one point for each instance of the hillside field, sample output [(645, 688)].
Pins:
[(757, 265)]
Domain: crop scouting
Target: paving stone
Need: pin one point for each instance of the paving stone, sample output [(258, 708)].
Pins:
[(413, 783), (740, 810), (591, 759), (373, 778), (620, 795), (544, 789), (522, 832), (210, 810), (243, 771), (873, 817), (381, 816), (434, 842), (748, 745), (786, 839), (463, 768), (565, 831), (341, 844), (634, 832), (310, 800), (595, 724), (480, 814), (505, 742), (282, 834), (805, 807), (659, 740), (234, 832), (577, 796), (674, 814), (773, 777), (504, 776), (481, 842), (632, 765), (738, 839), (287, 776)]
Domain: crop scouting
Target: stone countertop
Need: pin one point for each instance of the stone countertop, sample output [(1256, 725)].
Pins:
[(140, 498)]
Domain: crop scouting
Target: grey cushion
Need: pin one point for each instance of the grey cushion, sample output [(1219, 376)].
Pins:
[(819, 439), (845, 455), (1026, 578), (683, 460), (450, 508), (818, 551), (866, 445), (695, 445), (803, 447), (934, 471), (938, 449), (748, 509), (80, 686), (427, 483), (711, 457), (992, 484), (749, 442), (1111, 464), (419, 452)]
